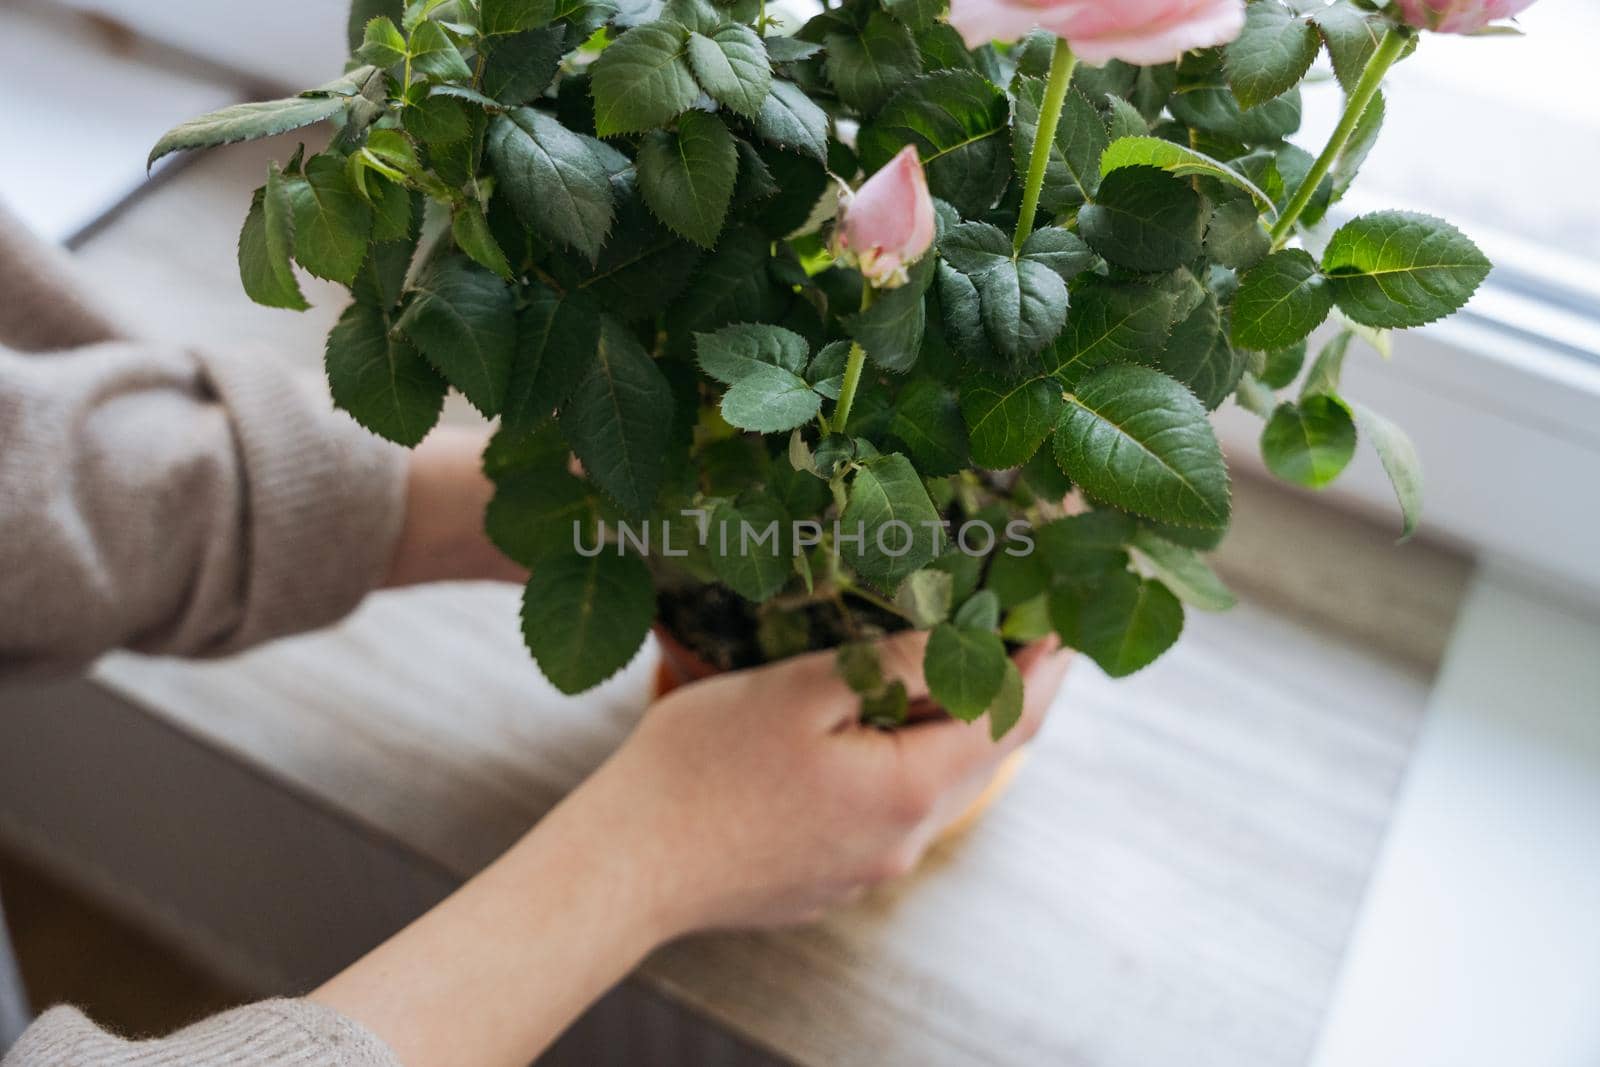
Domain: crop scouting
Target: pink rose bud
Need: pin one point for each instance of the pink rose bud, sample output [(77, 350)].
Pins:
[(1141, 32), (887, 224), (1458, 16)]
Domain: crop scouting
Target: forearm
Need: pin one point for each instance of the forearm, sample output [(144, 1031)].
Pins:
[(494, 974), (442, 536)]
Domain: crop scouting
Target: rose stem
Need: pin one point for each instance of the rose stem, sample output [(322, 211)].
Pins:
[(1062, 63), (1389, 49), (852, 369)]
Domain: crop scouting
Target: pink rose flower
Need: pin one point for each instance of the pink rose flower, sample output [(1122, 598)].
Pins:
[(1458, 16), (888, 223), (1141, 32)]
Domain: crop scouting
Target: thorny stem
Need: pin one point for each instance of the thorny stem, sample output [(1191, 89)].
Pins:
[(1062, 63), (852, 371), (1389, 51)]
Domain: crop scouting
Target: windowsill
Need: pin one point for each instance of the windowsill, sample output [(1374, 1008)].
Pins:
[(1506, 430)]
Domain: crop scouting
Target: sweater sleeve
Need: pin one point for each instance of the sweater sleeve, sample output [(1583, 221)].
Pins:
[(273, 1033), (175, 501)]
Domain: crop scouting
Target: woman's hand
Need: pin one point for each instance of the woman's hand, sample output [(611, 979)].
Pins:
[(750, 799), (756, 798)]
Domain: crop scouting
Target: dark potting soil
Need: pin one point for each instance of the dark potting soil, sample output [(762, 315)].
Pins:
[(721, 627)]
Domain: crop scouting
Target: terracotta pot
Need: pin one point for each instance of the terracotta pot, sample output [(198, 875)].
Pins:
[(681, 665)]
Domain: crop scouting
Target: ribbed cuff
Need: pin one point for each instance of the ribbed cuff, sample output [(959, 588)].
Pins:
[(325, 498), (273, 1033)]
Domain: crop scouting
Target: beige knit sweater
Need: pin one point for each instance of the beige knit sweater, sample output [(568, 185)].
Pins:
[(172, 500)]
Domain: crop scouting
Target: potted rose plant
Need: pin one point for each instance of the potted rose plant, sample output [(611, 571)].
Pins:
[(800, 334)]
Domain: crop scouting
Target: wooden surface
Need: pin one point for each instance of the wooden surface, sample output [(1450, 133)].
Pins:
[(1171, 880), (1172, 877)]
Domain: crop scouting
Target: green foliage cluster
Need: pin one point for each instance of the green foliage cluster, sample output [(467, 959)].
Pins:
[(603, 223)]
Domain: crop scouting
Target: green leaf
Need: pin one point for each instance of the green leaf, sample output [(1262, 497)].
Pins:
[(1016, 579), (363, 12), (1400, 462), (642, 80), (1282, 366), (383, 276), (522, 66), (471, 232), (265, 245), (1178, 160), (1124, 120), (759, 557), (353, 82), (1028, 621), (1271, 55), (557, 335), (1397, 270), (1023, 301), (497, 17), (980, 612), (246, 122), (867, 66), (438, 121), (1138, 440), (532, 515), (643, 266), (791, 119), (1213, 109), (1328, 367), (584, 619), (925, 597), (962, 317), (770, 400), (1198, 355), (927, 419), (735, 352), (1006, 710), (381, 43), (891, 330), (382, 381), (619, 420), (1073, 172), (965, 669), (1008, 421), (899, 527), (553, 178), (435, 55), (331, 221), (700, 16), (1061, 250), (464, 320), (1309, 443), (1352, 35), (790, 49), (920, 15), (732, 285), (1235, 237), (732, 66), (1122, 623), (1182, 571), (1280, 301), (1144, 219), (687, 177), (1085, 546), (958, 121), (1110, 323)]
